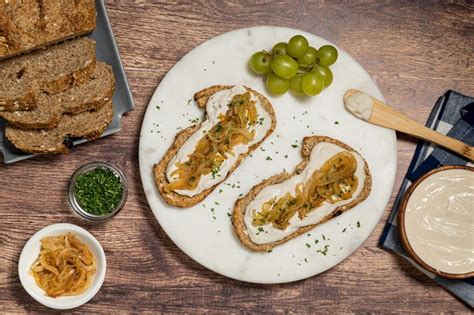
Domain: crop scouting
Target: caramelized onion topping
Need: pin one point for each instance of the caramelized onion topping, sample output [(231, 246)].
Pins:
[(333, 182), (212, 149), (65, 266)]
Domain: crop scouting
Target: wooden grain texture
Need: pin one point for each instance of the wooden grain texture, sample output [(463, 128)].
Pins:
[(415, 51)]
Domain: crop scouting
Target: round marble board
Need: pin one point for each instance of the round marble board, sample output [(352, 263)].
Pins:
[(204, 232)]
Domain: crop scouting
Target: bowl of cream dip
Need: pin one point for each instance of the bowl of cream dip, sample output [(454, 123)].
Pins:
[(436, 221)]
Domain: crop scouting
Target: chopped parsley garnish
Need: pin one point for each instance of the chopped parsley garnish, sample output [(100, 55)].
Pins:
[(358, 224), (336, 122), (294, 145), (307, 245), (268, 158), (98, 191)]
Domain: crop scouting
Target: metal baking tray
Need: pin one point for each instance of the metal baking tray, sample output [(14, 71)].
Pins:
[(107, 51)]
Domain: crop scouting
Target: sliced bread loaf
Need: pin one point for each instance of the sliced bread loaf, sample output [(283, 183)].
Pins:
[(51, 70), (89, 95), (29, 24), (90, 124)]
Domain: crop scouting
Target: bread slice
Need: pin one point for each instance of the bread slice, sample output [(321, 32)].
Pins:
[(30, 24), (92, 94), (51, 70), (159, 170), (242, 203), (90, 124)]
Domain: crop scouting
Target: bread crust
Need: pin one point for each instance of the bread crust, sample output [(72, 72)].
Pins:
[(242, 203), (159, 169), (55, 22)]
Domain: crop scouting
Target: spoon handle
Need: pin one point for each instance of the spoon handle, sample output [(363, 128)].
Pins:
[(385, 116)]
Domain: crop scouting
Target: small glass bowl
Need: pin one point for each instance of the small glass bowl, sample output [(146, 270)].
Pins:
[(75, 204)]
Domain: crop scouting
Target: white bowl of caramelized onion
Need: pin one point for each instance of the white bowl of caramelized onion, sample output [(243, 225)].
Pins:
[(62, 266)]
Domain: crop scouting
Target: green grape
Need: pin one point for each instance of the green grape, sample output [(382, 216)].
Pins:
[(312, 83), (276, 84), (297, 46), (284, 66), (260, 62), (327, 55), (280, 49), (308, 58), (325, 72), (295, 84)]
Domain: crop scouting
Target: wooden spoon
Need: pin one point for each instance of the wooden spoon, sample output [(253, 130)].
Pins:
[(385, 116)]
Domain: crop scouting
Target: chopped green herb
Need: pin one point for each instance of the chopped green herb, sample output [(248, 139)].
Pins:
[(158, 107), (316, 241), (358, 224), (220, 191), (336, 122), (324, 237), (98, 191), (229, 215), (268, 158), (344, 230), (269, 251), (294, 145), (307, 245), (286, 156)]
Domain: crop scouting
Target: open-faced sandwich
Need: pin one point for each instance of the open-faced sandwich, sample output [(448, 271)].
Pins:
[(331, 178), (238, 119)]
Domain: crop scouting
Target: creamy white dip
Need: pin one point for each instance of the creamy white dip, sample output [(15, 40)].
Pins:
[(216, 105), (439, 221), (321, 153), (359, 104)]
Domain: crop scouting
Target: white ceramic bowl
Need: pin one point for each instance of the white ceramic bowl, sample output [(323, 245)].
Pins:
[(31, 251)]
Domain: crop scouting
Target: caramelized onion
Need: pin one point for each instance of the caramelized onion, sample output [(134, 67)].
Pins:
[(333, 182), (212, 149), (65, 266)]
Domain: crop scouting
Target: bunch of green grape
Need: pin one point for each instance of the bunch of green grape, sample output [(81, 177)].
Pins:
[(295, 66)]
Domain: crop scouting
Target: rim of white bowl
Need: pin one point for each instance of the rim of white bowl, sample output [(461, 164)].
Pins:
[(28, 256)]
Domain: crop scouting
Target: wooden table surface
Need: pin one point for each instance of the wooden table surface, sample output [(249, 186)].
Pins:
[(414, 50)]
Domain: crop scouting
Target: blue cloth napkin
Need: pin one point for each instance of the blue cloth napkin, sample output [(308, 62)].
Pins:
[(452, 115)]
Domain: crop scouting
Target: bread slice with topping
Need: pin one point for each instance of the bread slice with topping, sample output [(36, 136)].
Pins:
[(264, 237), (51, 70), (90, 125), (178, 198), (92, 94), (30, 24)]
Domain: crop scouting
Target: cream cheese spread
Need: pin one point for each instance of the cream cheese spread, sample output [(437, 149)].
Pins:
[(320, 153), (360, 104), (217, 105), (439, 221)]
